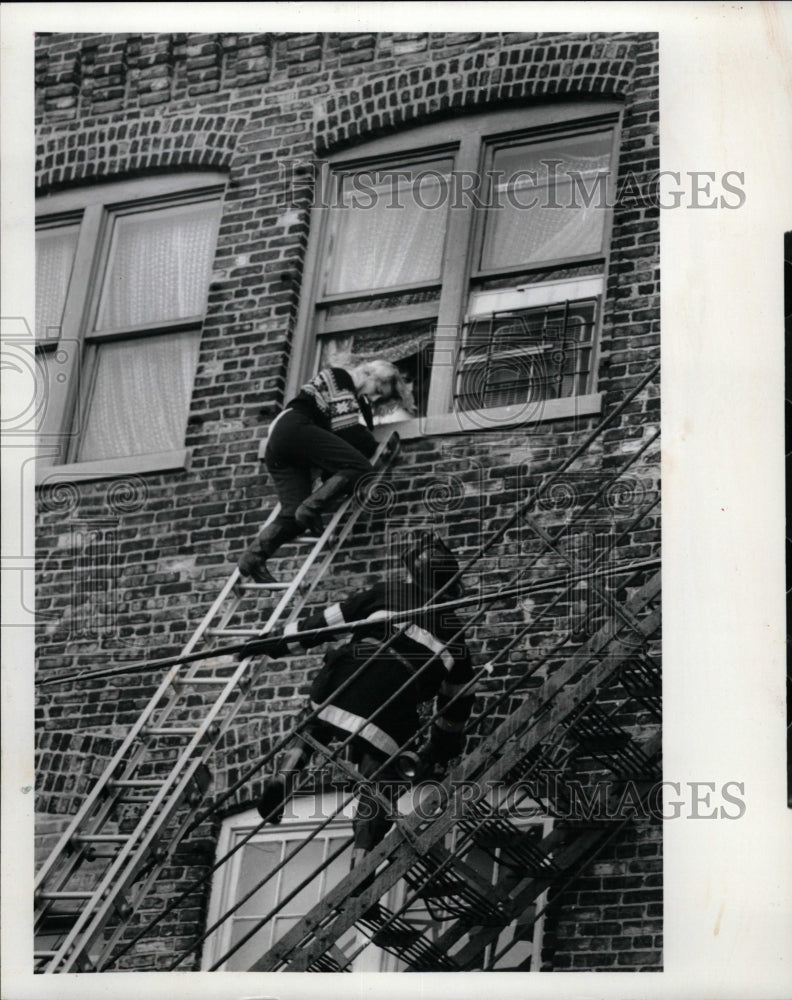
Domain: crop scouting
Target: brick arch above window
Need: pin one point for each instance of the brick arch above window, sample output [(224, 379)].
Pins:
[(114, 150), (526, 73)]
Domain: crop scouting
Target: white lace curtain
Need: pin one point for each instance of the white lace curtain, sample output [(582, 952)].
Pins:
[(546, 219), (141, 394), (54, 259), (393, 236), (158, 266), (158, 270)]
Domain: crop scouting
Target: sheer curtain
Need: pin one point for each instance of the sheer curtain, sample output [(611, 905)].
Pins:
[(54, 259), (141, 394), (158, 270), (158, 266), (389, 233), (547, 218)]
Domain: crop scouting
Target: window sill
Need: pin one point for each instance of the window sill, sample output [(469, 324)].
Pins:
[(111, 468), (467, 421)]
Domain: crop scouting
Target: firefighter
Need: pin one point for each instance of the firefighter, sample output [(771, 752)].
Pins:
[(327, 426), (381, 731)]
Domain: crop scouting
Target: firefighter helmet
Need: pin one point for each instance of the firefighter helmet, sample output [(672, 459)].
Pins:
[(430, 563)]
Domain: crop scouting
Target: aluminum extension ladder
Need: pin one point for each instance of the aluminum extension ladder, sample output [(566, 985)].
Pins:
[(97, 874)]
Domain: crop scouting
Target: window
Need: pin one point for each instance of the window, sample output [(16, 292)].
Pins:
[(122, 272), (516, 947), (473, 254), (262, 853)]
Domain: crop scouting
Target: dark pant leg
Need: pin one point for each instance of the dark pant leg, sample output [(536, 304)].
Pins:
[(372, 818), (295, 446), (298, 443)]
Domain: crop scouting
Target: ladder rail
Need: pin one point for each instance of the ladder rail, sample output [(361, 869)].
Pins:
[(165, 688), (122, 869), (168, 692)]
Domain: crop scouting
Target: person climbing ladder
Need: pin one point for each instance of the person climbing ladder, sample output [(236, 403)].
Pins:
[(321, 429), (358, 691)]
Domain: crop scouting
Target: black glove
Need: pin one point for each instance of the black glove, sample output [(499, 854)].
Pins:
[(267, 645)]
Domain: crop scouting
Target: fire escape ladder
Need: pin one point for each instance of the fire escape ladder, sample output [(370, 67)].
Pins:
[(571, 850), (128, 827)]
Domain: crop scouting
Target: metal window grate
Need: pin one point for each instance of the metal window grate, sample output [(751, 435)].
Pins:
[(526, 356)]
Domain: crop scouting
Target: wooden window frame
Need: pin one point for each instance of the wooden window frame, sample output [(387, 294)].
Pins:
[(472, 140), (95, 208)]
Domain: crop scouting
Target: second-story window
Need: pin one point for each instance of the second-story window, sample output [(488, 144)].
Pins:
[(122, 272), (472, 253)]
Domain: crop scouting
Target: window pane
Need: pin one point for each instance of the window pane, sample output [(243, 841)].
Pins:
[(548, 201), (526, 356), (158, 266), (257, 860), (54, 259), (307, 861), (141, 395), (252, 950), (388, 228), (261, 856)]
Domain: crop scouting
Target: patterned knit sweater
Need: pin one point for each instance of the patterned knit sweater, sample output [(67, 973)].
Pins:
[(331, 401)]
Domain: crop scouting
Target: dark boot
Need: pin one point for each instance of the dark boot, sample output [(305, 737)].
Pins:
[(276, 790), (308, 513), (272, 799), (253, 562)]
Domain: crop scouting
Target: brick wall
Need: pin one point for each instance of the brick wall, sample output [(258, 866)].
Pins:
[(127, 568)]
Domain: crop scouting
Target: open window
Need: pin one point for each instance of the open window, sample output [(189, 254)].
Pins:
[(472, 254), (122, 274)]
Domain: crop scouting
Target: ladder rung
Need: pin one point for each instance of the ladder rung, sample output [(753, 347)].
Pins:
[(136, 782), (38, 955), (262, 586), (187, 681), (171, 731)]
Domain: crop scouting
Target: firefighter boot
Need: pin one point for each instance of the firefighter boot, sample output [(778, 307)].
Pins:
[(276, 790), (270, 804), (253, 562), (308, 514)]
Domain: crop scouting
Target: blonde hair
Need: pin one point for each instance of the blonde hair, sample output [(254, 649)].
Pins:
[(387, 374)]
